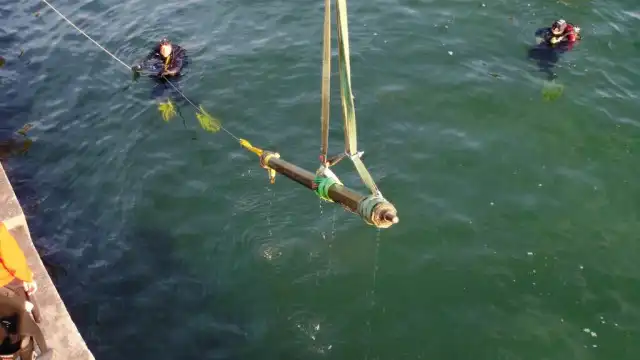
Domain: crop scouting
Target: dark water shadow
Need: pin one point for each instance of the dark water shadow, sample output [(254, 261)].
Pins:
[(25, 185), (142, 304), (546, 58), (14, 152), (146, 303), (16, 110)]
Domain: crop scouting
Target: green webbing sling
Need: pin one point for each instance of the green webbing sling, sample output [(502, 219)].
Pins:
[(326, 80), (348, 108)]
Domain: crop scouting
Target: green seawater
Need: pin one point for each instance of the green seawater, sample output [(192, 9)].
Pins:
[(519, 216)]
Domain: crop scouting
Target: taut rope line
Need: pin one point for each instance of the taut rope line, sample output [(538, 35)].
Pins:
[(129, 67)]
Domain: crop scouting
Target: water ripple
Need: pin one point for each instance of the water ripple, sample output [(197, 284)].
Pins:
[(454, 131)]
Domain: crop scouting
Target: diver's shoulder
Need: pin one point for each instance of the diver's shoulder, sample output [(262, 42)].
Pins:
[(575, 30)]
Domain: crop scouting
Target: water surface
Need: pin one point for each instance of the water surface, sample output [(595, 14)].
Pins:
[(519, 217)]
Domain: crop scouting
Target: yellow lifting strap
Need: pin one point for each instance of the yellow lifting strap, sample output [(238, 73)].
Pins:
[(348, 108), (326, 83)]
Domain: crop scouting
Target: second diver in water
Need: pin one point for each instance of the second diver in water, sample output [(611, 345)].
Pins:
[(551, 42)]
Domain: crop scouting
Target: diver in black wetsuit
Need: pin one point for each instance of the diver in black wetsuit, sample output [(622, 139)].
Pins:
[(552, 42), (165, 62), (165, 59)]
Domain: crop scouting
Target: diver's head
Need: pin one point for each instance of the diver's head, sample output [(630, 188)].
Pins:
[(165, 48), (558, 27)]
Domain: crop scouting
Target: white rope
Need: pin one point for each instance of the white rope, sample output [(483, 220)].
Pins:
[(129, 67), (83, 33)]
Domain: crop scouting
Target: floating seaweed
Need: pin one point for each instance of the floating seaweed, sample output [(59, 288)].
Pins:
[(167, 110), (552, 91), (208, 122)]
